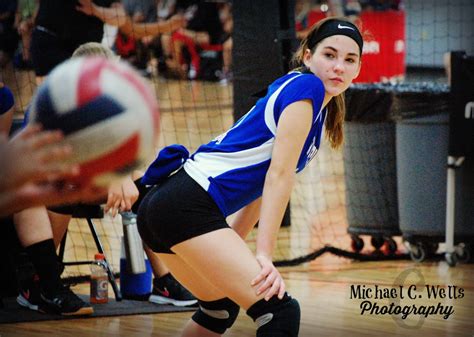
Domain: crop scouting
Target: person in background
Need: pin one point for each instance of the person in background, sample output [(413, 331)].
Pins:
[(60, 29), (130, 30), (249, 171), (24, 23), (137, 50), (8, 34), (302, 8), (43, 233), (203, 27), (225, 14)]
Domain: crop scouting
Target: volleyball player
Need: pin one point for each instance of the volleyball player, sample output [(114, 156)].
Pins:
[(250, 171)]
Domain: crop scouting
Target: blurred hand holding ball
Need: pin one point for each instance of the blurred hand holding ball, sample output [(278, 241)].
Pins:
[(107, 112)]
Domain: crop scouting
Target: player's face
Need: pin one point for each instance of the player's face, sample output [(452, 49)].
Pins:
[(336, 61)]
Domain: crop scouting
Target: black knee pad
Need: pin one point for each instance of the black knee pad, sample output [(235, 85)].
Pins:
[(216, 316), (276, 318)]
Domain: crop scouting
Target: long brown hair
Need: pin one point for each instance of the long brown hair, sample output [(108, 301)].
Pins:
[(336, 108)]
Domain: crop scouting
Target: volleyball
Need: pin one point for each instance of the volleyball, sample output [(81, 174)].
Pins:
[(107, 112)]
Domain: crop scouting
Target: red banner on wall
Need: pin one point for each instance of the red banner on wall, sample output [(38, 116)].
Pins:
[(384, 45), (384, 54)]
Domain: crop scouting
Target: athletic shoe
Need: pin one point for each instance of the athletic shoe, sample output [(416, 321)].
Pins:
[(166, 290), (192, 73), (30, 293), (65, 303), (224, 77)]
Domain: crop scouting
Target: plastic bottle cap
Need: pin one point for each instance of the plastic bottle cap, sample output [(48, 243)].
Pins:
[(99, 256)]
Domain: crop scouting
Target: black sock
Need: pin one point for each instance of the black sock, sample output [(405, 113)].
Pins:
[(25, 271), (160, 279), (276, 318), (44, 259)]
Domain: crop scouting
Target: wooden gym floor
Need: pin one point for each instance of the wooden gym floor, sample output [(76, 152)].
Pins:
[(194, 112), (323, 290)]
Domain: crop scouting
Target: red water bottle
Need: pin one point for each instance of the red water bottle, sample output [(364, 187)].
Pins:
[(99, 280)]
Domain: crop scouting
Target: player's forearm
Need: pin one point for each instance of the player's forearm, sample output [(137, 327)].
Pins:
[(276, 194)]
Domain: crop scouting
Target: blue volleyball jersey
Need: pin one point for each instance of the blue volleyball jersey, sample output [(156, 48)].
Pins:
[(233, 166), (6, 100)]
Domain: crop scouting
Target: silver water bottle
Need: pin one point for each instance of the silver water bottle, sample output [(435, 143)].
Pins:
[(134, 252)]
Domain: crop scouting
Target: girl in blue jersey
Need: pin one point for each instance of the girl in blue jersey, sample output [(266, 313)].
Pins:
[(249, 171)]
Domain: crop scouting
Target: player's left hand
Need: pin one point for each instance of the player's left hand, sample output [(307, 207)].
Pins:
[(129, 194), (269, 280), (122, 195), (114, 198)]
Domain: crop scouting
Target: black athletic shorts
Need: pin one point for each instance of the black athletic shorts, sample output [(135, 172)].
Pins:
[(48, 50), (177, 210)]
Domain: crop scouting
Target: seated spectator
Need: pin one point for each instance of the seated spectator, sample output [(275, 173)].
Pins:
[(141, 10), (45, 292), (203, 27), (302, 25), (136, 51), (131, 30), (40, 232), (122, 196), (24, 23), (8, 34), (225, 14), (116, 16)]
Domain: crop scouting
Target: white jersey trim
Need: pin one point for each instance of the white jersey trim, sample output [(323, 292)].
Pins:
[(269, 107), (212, 164)]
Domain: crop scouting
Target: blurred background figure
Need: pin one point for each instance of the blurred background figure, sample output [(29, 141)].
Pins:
[(8, 35), (137, 50), (352, 8), (59, 29), (203, 29), (302, 9), (24, 23), (380, 5)]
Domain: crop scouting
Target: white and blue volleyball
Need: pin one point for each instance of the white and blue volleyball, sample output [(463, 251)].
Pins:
[(107, 112)]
